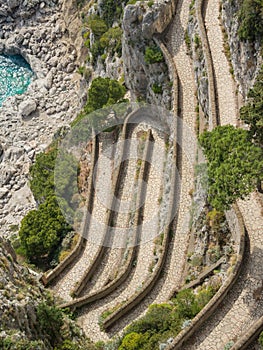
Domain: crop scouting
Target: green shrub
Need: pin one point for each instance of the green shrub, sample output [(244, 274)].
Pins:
[(153, 54), (103, 92), (234, 165), (163, 321), (50, 320), (10, 343), (251, 20), (112, 10), (133, 341), (42, 231), (111, 40), (42, 174), (252, 113), (157, 89), (97, 25)]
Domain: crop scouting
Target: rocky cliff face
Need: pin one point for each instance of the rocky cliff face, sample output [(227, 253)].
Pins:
[(21, 323), (147, 80), (245, 57), (40, 32), (195, 50), (19, 296)]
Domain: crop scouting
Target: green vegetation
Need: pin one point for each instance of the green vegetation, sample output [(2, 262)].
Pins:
[(97, 25), (112, 10), (165, 320), (50, 320), (51, 328), (153, 54), (104, 92), (157, 89), (42, 230), (234, 165), (42, 174), (8, 343), (111, 40), (251, 20), (107, 39), (252, 113)]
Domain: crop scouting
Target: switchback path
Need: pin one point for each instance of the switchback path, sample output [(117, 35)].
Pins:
[(244, 303)]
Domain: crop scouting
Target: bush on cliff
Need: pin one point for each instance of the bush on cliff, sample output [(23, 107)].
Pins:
[(235, 165)]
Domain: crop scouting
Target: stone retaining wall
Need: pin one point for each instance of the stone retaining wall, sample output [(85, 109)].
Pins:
[(250, 336), (152, 280), (110, 213), (126, 269), (234, 216), (172, 68)]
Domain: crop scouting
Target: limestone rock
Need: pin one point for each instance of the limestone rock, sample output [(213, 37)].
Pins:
[(27, 107)]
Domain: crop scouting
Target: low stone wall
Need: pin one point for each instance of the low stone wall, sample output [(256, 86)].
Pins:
[(149, 284), (126, 269), (104, 246), (250, 336), (47, 278), (213, 115), (172, 68), (218, 298), (205, 274)]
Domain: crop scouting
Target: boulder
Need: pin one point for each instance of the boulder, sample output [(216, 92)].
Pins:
[(27, 107), (13, 3)]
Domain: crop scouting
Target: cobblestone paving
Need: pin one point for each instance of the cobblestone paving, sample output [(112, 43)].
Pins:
[(71, 276), (243, 305), (225, 84), (89, 316), (114, 256), (173, 273)]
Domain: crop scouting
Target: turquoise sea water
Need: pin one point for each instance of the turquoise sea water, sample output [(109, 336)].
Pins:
[(15, 76)]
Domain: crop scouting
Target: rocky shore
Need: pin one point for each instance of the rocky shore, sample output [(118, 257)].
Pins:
[(36, 30)]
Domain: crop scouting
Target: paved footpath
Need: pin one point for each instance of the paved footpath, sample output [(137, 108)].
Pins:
[(242, 306), (70, 277), (112, 261), (227, 98), (90, 315), (177, 253)]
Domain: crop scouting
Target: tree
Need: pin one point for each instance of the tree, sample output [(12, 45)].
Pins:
[(251, 20), (153, 54), (42, 174), (104, 92), (235, 165), (252, 113), (42, 230)]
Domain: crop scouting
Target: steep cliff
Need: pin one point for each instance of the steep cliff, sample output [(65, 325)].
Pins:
[(146, 74), (29, 318), (246, 55)]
